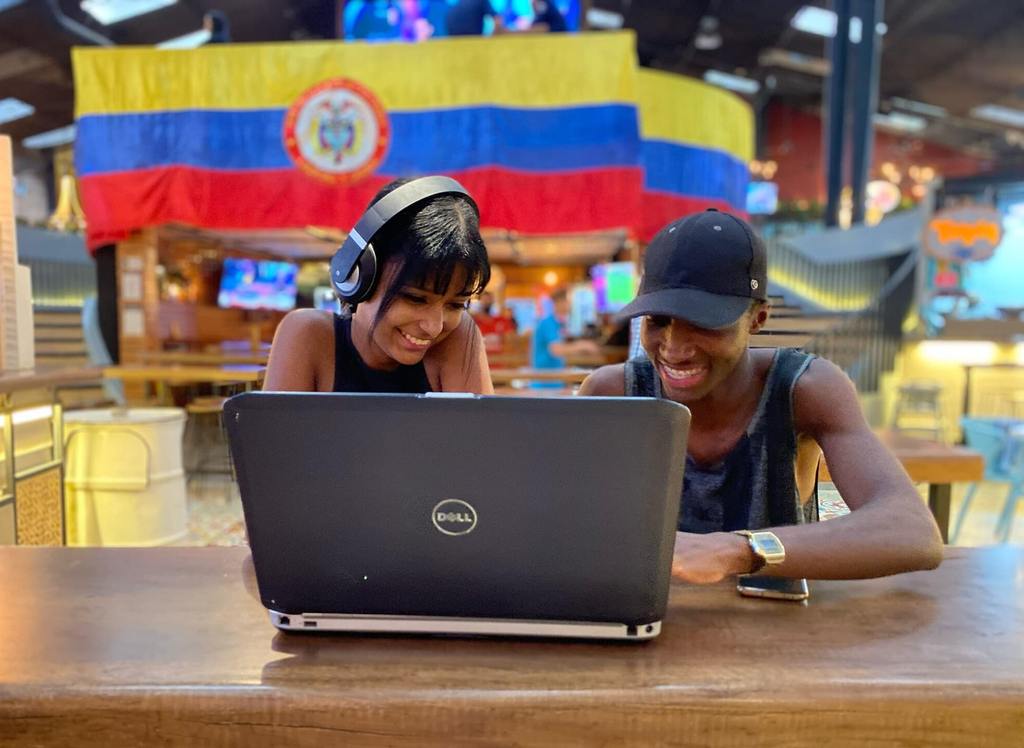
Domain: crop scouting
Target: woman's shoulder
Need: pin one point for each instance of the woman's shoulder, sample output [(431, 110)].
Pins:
[(307, 323), (302, 355)]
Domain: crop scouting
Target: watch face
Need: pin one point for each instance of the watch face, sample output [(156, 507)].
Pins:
[(768, 544)]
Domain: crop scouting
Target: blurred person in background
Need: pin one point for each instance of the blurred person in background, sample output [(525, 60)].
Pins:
[(549, 347), (547, 17), (466, 18), (216, 22), (493, 326)]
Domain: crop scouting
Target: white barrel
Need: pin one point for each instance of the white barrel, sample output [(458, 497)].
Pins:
[(123, 477)]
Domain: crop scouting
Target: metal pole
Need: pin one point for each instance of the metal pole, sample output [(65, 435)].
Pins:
[(836, 112), (865, 97)]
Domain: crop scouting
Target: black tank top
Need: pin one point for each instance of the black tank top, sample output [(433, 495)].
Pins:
[(351, 374), (753, 486)]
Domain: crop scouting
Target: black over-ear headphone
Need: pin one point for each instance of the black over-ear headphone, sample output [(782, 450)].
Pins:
[(354, 266)]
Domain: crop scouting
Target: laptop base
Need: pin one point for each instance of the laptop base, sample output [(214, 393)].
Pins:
[(461, 626)]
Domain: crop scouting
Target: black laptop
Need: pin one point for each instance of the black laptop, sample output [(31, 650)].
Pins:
[(461, 514)]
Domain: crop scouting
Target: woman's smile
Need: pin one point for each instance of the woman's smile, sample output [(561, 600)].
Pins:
[(414, 342)]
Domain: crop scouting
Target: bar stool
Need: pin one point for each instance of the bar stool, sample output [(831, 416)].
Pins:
[(919, 409), (206, 445)]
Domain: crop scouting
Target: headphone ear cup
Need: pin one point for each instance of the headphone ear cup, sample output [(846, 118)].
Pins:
[(365, 277), (367, 273)]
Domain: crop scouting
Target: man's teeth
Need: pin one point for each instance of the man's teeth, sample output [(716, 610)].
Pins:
[(414, 341), (682, 373)]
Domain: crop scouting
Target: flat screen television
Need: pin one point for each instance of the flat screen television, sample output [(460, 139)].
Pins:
[(417, 20), (762, 198), (257, 284), (614, 285)]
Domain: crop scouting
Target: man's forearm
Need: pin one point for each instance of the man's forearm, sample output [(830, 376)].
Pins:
[(876, 540)]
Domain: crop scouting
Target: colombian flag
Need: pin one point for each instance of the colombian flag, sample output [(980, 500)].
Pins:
[(697, 142), (543, 130)]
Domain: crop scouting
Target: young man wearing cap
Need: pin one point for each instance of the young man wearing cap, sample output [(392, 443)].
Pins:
[(761, 417)]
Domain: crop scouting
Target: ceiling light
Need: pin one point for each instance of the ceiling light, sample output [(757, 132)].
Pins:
[(901, 122), (918, 107), (51, 138), (707, 42), (707, 37), (190, 40), (822, 22), (604, 19), (114, 11), (1004, 115), (731, 82), (812, 20), (12, 109), (855, 30)]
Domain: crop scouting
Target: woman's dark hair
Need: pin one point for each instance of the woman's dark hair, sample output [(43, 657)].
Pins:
[(431, 242)]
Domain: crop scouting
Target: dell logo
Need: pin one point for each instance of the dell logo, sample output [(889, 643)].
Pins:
[(454, 517)]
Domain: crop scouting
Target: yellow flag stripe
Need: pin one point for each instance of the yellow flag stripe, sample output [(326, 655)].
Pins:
[(515, 70), (688, 111)]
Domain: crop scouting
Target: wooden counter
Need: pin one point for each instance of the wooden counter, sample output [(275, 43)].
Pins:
[(163, 376), (182, 374), (170, 647), (29, 379)]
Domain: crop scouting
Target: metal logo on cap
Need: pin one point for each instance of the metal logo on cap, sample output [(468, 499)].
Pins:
[(337, 131), (753, 283), (454, 517)]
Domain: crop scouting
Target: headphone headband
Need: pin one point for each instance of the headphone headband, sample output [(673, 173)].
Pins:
[(355, 259)]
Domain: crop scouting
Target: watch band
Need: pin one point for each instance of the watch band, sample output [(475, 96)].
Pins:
[(759, 559), (766, 547)]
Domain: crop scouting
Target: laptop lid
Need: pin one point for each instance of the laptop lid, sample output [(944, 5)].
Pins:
[(472, 507)]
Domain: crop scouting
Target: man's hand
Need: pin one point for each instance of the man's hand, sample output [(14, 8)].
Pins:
[(706, 559)]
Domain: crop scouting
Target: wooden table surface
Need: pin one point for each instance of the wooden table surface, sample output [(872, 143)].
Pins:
[(929, 462), (566, 376), (180, 374), (238, 346), (210, 358), (171, 647)]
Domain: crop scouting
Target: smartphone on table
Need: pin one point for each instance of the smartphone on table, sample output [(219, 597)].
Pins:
[(777, 588)]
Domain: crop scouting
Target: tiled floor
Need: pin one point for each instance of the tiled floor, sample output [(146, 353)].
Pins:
[(215, 512)]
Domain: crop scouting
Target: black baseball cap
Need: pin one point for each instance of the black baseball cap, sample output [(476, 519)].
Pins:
[(705, 268)]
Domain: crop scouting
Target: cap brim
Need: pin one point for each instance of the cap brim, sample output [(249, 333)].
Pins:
[(700, 308)]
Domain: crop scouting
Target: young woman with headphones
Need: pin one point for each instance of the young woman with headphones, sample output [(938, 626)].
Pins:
[(405, 276)]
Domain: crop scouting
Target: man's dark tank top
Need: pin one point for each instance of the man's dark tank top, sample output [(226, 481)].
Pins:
[(754, 485), (351, 374)]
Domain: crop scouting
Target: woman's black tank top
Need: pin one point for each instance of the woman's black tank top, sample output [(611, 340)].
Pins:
[(351, 374)]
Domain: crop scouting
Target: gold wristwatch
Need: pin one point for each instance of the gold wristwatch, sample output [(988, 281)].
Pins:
[(766, 547)]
